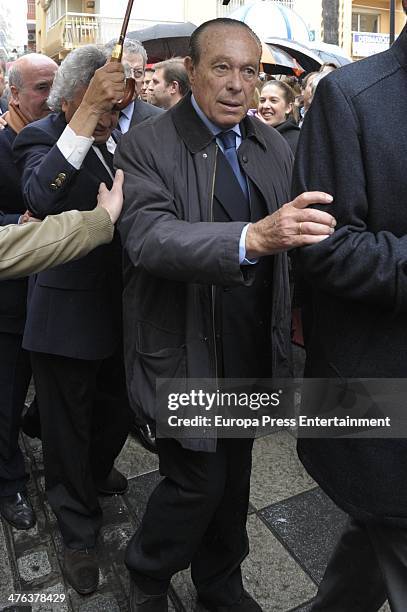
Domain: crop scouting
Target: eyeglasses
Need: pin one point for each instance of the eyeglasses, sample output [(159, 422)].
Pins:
[(137, 73)]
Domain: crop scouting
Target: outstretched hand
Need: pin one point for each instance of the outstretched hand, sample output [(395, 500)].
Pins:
[(293, 225), (112, 200)]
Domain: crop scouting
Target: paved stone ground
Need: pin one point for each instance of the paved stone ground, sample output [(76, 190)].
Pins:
[(292, 527)]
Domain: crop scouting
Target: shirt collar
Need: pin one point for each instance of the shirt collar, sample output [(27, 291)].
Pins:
[(128, 111), (212, 127)]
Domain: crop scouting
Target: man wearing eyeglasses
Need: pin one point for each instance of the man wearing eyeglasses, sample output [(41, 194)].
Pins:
[(134, 61)]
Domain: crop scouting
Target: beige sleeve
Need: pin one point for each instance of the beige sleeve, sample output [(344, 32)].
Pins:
[(34, 246)]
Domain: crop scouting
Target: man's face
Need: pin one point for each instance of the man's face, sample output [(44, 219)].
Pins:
[(224, 80), (135, 63), (106, 124), (146, 82), (159, 90), (37, 75)]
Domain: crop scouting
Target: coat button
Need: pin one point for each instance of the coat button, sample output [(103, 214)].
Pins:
[(245, 159), (62, 176), (53, 187), (205, 156)]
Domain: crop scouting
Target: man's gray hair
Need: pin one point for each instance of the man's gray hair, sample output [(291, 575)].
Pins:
[(130, 47), (76, 71), (14, 77)]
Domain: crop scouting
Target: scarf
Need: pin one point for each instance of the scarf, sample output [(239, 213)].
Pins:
[(15, 118)]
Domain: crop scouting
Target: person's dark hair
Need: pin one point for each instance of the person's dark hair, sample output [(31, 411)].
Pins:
[(195, 40), (405, 6), (174, 70), (288, 94)]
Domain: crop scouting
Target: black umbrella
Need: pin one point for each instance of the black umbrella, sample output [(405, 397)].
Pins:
[(307, 58), (165, 40)]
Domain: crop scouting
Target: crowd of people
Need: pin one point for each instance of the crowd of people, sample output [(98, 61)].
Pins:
[(194, 283)]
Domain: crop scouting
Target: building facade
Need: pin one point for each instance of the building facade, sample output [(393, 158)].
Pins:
[(13, 28), (63, 25)]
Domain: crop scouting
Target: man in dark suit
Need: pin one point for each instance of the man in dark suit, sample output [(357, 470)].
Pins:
[(30, 81), (206, 296), (134, 62), (73, 325), (355, 316)]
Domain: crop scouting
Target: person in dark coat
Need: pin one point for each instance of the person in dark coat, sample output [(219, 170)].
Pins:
[(30, 80), (134, 62), (74, 322), (206, 296), (276, 108), (352, 147)]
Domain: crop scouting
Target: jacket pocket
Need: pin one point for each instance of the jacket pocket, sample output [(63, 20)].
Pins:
[(72, 280), (155, 340), (148, 369)]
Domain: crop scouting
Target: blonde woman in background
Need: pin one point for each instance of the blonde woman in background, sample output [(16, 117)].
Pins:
[(276, 108)]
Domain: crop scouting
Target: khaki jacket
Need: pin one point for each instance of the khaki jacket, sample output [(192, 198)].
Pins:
[(32, 247)]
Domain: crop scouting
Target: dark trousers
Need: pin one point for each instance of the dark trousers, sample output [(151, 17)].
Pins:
[(368, 566), (15, 374), (84, 421), (196, 516)]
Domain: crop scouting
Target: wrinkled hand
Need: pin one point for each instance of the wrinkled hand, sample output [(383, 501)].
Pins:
[(292, 226), (106, 88), (112, 200), (3, 123)]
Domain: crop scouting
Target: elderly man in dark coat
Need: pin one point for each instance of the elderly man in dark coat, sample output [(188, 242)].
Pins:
[(206, 296), (356, 325), (73, 328)]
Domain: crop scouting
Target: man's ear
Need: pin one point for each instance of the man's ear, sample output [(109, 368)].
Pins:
[(190, 68), (14, 94)]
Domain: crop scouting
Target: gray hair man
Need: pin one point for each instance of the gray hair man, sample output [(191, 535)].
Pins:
[(73, 328), (169, 83), (134, 62)]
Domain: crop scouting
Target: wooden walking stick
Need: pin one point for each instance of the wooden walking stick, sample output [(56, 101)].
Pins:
[(117, 55)]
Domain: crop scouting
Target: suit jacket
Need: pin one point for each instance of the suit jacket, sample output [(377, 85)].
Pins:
[(13, 293), (74, 309), (142, 111), (353, 145)]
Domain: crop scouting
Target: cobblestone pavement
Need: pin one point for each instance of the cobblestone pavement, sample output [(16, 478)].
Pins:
[(292, 527)]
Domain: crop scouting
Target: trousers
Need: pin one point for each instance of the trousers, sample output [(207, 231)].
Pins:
[(196, 516), (85, 419), (15, 374)]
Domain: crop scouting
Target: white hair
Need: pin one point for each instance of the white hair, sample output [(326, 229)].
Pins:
[(76, 71)]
